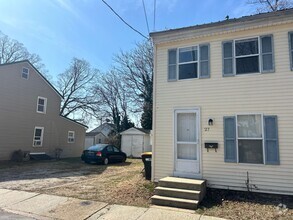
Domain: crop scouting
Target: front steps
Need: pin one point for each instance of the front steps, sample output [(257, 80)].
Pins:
[(179, 192)]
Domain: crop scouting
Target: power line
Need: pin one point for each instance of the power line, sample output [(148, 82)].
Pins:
[(155, 3), (124, 20), (146, 17)]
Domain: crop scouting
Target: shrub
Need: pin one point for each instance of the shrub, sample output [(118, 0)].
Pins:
[(17, 156)]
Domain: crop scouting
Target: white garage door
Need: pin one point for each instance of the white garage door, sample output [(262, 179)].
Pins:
[(126, 144), (132, 145), (89, 141), (137, 143)]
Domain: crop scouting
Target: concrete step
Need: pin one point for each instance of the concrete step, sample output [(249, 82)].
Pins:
[(182, 183), (177, 193), (174, 202)]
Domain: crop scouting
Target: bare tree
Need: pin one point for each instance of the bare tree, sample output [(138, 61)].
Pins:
[(136, 69), (76, 85), (114, 98), (271, 5), (11, 51)]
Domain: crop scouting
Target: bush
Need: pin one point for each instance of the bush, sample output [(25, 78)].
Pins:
[(17, 156), (58, 152)]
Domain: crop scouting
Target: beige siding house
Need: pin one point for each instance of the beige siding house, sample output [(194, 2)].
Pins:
[(29, 115), (223, 103)]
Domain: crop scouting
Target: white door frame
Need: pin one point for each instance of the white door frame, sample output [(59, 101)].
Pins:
[(198, 115)]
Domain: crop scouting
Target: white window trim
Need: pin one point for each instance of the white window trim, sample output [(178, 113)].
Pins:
[(178, 63), (262, 138), (45, 105), (251, 55), (28, 73), (73, 137), (42, 137)]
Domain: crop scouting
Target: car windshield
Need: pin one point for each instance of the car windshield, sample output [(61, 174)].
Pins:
[(97, 147)]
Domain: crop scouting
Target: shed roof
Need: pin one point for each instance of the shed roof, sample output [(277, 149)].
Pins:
[(133, 129), (105, 129)]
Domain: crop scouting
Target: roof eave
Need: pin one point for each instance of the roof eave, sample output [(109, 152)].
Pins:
[(245, 23)]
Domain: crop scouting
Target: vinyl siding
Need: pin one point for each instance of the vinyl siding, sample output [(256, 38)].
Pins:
[(218, 96), (18, 116)]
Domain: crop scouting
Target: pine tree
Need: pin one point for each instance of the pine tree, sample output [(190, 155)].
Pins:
[(147, 116)]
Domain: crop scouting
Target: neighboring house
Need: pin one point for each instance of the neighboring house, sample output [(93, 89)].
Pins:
[(135, 141), (29, 115), (99, 135), (229, 85)]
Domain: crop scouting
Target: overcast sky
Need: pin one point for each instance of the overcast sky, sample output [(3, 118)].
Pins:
[(58, 30)]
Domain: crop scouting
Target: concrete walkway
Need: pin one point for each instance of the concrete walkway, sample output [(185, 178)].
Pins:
[(42, 206)]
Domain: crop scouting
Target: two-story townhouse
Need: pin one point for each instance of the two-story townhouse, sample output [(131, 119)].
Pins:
[(30, 117), (223, 103)]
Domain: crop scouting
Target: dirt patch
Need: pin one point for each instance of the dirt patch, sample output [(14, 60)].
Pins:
[(124, 184), (115, 183), (242, 205)]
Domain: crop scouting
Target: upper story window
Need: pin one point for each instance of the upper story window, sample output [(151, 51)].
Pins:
[(246, 56), (291, 48), (71, 136), (42, 105), (188, 63), (25, 73), (38, 136)]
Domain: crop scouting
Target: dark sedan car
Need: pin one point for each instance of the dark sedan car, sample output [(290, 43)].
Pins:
[(103, 153)]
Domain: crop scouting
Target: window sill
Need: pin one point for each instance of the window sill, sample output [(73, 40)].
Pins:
[(41, 112)]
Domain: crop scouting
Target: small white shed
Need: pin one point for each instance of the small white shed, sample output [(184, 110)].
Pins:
[(135, 141)]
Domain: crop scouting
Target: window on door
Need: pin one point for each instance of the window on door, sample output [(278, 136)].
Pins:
[(38, 136), (186, 136)]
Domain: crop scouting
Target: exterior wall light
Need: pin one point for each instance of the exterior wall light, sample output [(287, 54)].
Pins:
[(210, 121)]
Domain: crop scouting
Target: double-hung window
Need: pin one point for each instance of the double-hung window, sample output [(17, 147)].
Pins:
[(291, 48), (246, 56), (71, 136), (251, 138), (38, 136), (189, 62), (25, 73), (41, 105)]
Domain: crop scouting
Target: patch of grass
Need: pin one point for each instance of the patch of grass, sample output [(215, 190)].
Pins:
[(150, 186)]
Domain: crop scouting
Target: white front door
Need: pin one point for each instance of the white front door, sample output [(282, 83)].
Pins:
[(187, 143)]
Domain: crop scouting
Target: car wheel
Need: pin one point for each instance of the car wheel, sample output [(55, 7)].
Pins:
[(123, 159), (106, 161)]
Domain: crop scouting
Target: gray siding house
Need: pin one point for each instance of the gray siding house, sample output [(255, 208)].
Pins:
[(29, 115), (99, 135)]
